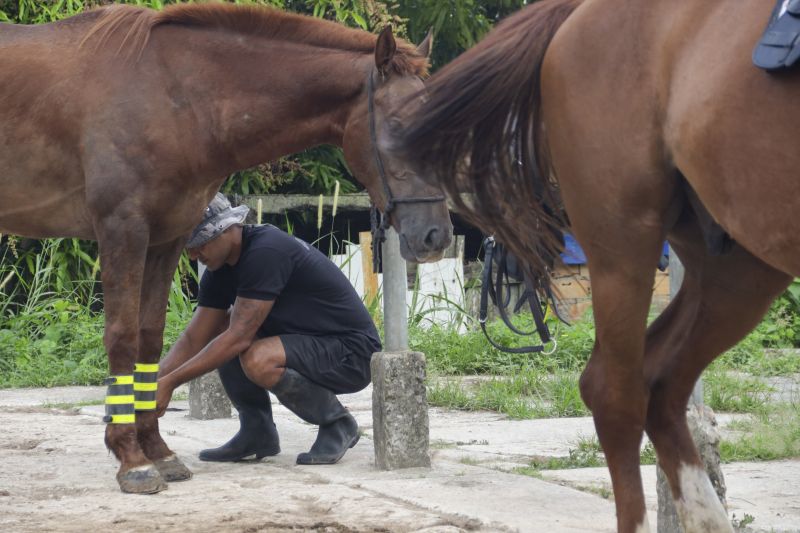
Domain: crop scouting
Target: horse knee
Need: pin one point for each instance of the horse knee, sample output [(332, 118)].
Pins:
[(120, 341)]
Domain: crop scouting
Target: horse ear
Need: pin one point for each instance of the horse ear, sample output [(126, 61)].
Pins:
[(425, 47), (385, 49)]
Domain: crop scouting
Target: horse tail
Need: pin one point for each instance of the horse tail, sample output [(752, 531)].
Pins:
[(480, 131)]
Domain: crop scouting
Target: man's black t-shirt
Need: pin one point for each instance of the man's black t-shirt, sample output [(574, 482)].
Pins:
[(312, 296)]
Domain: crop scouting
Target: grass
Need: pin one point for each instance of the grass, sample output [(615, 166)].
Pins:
[(773, 433), (735, 393), (58, 342), (769, 435), (530, 393), (68, 406)]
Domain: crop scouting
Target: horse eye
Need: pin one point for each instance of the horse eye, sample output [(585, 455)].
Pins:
[(395, 125)]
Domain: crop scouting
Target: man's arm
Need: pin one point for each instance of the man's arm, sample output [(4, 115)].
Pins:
[(206, 323), (248, 314)]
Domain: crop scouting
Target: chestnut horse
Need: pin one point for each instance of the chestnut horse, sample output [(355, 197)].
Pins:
[(120, 124), (632, 121)]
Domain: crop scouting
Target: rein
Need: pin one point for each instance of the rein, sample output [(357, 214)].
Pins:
[(493, 288), (379, 221)]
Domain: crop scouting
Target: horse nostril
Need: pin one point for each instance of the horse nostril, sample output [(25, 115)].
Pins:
[(430, 239)]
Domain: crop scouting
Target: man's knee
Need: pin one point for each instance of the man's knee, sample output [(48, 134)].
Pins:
[(262, 365)]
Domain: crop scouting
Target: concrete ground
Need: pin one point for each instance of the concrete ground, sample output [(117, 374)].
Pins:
[(56, 475)]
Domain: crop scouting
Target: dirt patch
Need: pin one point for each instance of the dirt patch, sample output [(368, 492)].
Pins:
[(58, 477)]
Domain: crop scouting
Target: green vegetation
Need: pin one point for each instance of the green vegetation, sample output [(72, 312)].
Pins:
[(773, 433)]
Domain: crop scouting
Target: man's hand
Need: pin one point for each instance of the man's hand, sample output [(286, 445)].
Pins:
[(163, 396)]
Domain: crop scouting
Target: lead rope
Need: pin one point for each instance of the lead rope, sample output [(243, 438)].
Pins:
[(494, 288)]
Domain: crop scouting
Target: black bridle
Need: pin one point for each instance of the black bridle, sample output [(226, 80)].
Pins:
[(379, 227)]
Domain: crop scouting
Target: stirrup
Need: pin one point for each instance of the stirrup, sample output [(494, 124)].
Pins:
[(779, 47)]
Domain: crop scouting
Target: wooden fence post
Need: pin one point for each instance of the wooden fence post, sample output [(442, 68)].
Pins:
[(370, 276)]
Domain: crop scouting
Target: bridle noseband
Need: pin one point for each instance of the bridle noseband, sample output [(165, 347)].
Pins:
[(379, 227)]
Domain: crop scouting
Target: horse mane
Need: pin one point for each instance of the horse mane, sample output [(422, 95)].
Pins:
[(137, 23), (480, 132)]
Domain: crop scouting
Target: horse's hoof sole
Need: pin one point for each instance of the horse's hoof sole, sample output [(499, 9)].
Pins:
[(141, 480), (172, 469)]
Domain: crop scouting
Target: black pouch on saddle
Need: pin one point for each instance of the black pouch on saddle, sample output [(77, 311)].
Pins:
[(499, 266), (779, 47)]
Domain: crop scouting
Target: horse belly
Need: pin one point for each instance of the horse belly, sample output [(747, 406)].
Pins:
[(42, 193), (39, 215)]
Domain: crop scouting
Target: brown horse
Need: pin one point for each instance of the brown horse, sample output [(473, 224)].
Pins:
[(120, 124), (629, 122)]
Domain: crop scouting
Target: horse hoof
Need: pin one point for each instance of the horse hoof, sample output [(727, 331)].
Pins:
[(172, 469), (141, 480)]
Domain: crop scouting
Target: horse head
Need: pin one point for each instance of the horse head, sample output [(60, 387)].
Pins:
[(414, 207)]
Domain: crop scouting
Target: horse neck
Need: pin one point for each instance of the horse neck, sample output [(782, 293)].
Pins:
[(258, 99)]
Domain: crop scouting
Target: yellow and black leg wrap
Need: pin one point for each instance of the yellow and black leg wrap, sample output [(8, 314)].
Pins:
[(119, 400), (145, 386)]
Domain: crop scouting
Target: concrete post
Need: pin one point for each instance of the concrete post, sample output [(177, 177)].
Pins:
[(399, 410), (207, 398), (395, 286), (702, 426), (399, 402)]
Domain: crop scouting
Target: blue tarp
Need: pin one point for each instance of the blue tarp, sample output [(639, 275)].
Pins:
[(573, 254)]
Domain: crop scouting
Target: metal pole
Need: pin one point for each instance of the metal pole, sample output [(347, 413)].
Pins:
[(395, 285)]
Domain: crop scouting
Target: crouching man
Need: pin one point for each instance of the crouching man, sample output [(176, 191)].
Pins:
[(273, 314)]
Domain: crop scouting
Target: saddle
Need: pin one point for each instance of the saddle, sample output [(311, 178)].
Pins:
[(779, 47)]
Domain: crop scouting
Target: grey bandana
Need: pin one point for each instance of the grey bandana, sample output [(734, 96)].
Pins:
[(218, 216)]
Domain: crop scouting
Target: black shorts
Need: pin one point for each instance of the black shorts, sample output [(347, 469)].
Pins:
[(338, 363)]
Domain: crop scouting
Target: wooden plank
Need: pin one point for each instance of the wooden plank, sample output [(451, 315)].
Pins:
[(370, 277), (278, 204)]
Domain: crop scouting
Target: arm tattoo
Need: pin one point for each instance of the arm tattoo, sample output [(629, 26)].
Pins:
[(248, 315)]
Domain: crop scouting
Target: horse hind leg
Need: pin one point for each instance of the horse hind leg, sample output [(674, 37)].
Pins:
[(122, 254), (160, 266), (721, 299), (622, 268)]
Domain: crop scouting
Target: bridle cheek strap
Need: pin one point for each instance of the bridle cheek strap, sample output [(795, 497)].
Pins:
[(379, 222)]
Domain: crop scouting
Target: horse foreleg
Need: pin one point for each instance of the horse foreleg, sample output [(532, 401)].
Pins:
[(720, 301), (123, 246), (158, 273)]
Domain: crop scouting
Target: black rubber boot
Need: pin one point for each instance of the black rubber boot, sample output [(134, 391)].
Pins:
[(338, 430), (257, 434)]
